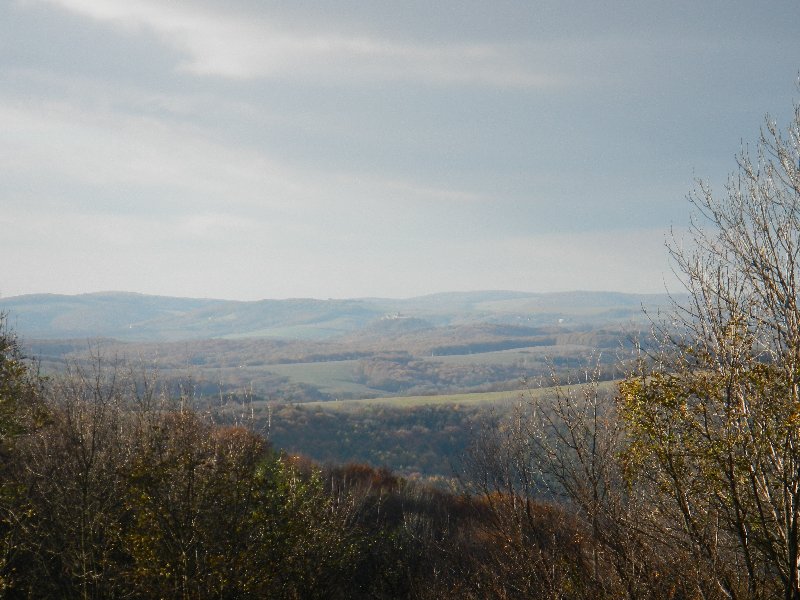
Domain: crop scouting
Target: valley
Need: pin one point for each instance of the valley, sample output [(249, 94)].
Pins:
[(306, 350)]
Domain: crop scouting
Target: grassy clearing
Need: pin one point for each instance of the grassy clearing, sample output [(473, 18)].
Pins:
[(296, 332), (463, 399), (333, 377), (522, 356)]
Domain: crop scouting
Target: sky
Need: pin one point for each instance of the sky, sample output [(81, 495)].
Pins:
[(249, 149)]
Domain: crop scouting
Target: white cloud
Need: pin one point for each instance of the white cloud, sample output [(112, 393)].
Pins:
[(240, 46), (142, 181), (116, 151), (178, 166)]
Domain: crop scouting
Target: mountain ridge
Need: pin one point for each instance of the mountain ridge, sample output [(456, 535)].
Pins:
[(136, 317)]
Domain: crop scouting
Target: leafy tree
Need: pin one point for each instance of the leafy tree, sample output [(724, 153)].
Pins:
[(191, 492), (714, 418), (214, 513)]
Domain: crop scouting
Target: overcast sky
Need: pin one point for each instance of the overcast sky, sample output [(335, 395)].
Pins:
[(251, 149)]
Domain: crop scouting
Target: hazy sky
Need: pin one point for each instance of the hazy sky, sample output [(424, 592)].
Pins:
[(252, 149)]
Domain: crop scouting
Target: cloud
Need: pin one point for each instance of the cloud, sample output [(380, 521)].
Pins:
[(236, 46), (51, 142), (109, 200), (173, 164), (242, 180)]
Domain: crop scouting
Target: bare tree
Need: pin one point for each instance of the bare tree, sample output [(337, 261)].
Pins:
[(555, 490), (21, 412), (72, 471)]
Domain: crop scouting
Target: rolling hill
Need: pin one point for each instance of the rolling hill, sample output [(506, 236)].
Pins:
[(137, 317)]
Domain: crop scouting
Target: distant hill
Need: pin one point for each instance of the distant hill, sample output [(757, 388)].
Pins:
[(138, 317)]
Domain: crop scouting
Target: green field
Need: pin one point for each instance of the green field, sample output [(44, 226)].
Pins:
[(337, 377), (332, 377), (462, 399), (533, 355)]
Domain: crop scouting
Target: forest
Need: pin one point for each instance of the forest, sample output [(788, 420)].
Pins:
[(680, 481), (112, 487)]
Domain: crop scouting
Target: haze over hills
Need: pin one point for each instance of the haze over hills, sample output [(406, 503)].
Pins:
[(301, 350), (137, 317), (345, 379)]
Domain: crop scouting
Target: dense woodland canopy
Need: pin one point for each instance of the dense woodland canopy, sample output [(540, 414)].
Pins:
[(683, 484)]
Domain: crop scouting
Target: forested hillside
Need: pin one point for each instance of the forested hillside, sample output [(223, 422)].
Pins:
[(110, 487), (437, 345)]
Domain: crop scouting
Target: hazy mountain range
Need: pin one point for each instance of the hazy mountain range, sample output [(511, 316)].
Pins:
[(137, 317)]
